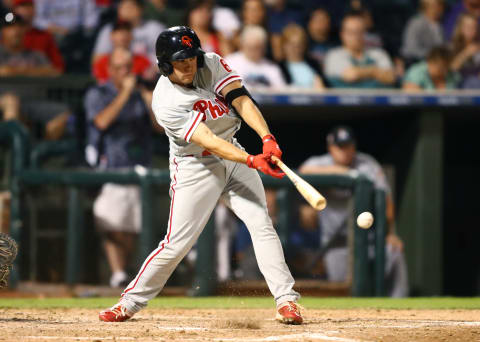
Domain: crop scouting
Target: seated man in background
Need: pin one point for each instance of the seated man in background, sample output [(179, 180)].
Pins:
[(37, 39), (342, 157), (424, 31), (432, 74), (250, 61), (119, 137), (355, 66), (15, 58), (121, 37)]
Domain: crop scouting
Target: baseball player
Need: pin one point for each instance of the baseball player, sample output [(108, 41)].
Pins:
[(200, 102)]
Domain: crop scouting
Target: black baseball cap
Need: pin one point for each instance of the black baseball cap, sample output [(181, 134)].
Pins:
[(341, 136), (11, 19)]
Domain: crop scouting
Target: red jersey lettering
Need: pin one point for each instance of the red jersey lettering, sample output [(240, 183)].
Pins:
[(225, 65), (214, 110)]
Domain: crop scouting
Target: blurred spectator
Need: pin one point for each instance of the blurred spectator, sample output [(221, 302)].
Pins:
[(250, 61), (199, 17), (279, 16), (62, 17), (319, 35), (145, 33), (462, 6), (158, 10), (253, 13), (343, 157), (432, 74), (355, 66), (297, 69), (423, 31), (372, 37), (304, 244), (121, 37), (466, 51), (9, 107), (37, 39), (44, 119), (225, 21), (119, 137), (15, 58)]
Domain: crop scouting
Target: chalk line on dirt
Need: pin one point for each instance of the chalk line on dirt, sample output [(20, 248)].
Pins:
[(315, 336)]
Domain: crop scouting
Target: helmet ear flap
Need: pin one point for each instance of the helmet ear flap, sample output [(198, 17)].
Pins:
[(166, 68)]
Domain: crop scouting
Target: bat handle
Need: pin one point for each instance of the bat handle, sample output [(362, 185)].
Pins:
[(276, 160)]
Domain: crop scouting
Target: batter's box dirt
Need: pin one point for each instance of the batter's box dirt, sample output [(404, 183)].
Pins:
[(246, 325)]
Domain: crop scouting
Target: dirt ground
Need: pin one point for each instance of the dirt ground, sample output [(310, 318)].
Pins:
[(241, 325)]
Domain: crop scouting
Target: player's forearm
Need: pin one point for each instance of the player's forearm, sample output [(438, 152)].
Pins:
[(226, 150), (104, 119), (205, 138), (251, 115)]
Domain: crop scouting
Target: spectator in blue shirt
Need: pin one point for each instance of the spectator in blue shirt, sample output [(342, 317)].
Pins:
[(119, 137), (319, 34), (279, 16)]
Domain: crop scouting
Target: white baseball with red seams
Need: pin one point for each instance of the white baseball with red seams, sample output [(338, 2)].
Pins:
[(198, 181)]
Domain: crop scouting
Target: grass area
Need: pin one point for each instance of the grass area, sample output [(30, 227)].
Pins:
[(251, 302)]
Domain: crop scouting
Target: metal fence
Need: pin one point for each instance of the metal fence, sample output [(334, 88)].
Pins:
[(25, 173)]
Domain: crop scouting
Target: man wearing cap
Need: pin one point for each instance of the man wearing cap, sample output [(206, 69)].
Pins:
[(343, 158), (37, 39), (15, 58)]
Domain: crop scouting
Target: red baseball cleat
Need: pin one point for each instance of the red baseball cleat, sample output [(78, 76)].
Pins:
[(289, 313), (117, 313)]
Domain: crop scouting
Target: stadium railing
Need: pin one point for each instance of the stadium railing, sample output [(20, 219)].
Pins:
[(26, 172)]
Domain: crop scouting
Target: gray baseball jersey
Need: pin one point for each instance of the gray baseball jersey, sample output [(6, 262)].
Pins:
[(198, 181)]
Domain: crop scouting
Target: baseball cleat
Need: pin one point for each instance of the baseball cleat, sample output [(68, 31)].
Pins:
[(117, 313), (289, 313)]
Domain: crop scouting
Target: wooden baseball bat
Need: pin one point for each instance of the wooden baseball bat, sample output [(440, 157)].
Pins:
[(312, 196)]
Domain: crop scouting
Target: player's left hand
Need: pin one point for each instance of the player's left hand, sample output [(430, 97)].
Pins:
[(260, 162), (270, 146)]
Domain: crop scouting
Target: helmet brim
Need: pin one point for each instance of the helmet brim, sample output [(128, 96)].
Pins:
[(185, 54)]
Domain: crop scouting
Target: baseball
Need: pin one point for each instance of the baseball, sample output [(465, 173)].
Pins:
[(365, 220)]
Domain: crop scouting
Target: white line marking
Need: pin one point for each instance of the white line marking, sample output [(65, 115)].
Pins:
[(183, 328), (315, 336), (78, 338)]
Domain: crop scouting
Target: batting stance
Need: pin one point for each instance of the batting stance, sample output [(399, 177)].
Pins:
[(200, 101)]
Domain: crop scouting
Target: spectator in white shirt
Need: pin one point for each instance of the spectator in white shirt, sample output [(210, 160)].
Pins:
[(145, 33), (250, 61)]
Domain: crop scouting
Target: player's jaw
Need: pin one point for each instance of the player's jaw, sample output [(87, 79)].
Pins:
[(184, 71)]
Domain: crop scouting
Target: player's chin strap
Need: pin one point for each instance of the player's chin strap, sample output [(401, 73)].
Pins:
[(237, 92)]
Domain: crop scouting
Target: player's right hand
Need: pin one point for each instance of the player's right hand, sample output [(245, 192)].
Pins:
[(261, 162)]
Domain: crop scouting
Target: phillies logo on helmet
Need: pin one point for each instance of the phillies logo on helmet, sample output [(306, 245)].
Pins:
[(187, 41)]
